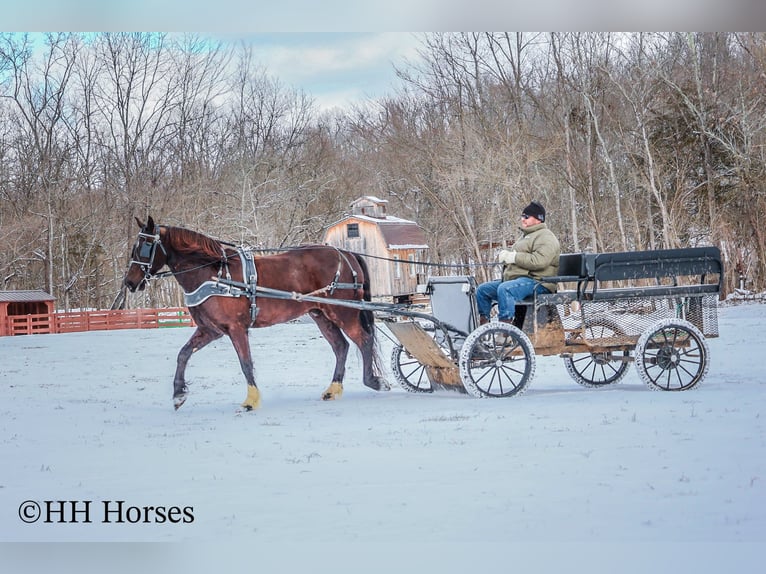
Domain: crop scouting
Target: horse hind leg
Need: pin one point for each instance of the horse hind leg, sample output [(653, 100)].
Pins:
[(372, 378), (360, 328), (198, 340), (339, 345)]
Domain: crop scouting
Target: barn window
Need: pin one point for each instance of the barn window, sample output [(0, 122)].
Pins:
[(412, 266), (352, 230), (397, 267)]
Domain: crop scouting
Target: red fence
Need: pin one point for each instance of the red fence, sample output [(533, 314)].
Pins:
[(76, 321)]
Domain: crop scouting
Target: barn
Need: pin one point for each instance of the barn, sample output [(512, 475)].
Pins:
[(28, 311), (394, 245)]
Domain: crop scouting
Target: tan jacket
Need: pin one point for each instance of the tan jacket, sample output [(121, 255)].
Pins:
[(537, 255)]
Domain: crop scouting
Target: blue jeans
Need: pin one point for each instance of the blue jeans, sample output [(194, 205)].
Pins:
[(506, 293)]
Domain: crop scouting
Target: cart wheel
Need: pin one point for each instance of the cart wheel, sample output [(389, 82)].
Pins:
[(409, 373), (672, 356), (497, 360), (599, 369)]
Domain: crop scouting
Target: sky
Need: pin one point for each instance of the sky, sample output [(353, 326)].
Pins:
[(335, 69), (356, 15)]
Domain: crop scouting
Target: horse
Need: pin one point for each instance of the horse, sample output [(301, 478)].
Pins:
[(319, 272)]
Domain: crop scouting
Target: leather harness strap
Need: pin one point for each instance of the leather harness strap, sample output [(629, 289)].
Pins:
[(220, 286)]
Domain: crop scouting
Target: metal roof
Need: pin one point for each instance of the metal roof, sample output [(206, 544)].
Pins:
[(403, 235), (28, 296)]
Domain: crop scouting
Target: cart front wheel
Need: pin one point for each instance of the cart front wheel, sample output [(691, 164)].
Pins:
[(672, 355), (496, 360), (409, 373)]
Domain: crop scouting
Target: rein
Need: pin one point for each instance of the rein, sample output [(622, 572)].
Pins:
[(164, 274), (391, 259)]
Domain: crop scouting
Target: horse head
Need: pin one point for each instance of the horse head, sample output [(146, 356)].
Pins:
[(147, 257)]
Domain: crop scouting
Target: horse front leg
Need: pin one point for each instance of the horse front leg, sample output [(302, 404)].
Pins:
[(339, 345), (239, 338), (199, 339)]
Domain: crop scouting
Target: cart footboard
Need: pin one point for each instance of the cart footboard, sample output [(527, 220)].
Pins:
[(416, 343)]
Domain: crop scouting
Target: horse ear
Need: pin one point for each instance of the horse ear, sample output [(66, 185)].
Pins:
[(150, 225), (140, 225)]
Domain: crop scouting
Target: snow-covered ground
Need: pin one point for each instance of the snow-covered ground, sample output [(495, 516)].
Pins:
[(434, 482)]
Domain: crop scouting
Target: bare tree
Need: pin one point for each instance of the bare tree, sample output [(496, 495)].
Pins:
[(38, 93)]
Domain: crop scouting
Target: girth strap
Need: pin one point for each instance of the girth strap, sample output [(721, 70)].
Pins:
[(250, 276)]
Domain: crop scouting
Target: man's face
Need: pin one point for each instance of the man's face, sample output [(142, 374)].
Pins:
[(528, 221)]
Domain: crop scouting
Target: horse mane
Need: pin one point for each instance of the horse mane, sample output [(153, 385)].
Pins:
[(194, 244)]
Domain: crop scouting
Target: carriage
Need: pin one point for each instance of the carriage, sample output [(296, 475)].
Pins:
[(651, 308)]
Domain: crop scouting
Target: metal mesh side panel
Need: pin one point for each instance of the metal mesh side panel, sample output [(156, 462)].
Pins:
[(702, 312), (632, 317)]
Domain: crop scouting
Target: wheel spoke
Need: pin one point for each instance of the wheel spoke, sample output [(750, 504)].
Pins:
[(510, 377), (681, 383), (685, 370)]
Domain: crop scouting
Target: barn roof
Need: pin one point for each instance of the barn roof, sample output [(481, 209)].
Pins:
[(403, 235), (398, 233), (28, 296)]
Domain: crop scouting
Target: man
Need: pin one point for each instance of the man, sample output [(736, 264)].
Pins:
[(535, 255)]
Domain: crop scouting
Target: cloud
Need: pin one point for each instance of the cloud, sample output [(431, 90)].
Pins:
[(311, 55), (335, 69)]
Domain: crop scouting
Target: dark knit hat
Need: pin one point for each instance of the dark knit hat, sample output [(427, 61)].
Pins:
[(535, 210)]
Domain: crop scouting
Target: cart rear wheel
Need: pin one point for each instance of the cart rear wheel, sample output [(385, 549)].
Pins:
[(599, 369), (672, 355), (497, 360), (409, 373)]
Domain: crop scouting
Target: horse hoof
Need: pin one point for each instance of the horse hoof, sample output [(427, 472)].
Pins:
[(253, 400), (378, 384), (179, 401), (334, 391)]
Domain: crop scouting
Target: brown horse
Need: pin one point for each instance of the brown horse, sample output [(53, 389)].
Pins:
[(320, 271)]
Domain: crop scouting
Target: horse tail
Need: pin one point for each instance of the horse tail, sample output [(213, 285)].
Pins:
[(366, 316)]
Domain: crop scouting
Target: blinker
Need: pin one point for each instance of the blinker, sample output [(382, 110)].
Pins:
[(146, 249)]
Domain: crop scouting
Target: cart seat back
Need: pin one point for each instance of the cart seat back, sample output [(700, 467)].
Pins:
[(453, 301)]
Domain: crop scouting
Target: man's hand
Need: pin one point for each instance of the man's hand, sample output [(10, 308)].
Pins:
[(507, 257)]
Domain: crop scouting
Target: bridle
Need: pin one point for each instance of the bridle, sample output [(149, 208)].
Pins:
[(147, 250)]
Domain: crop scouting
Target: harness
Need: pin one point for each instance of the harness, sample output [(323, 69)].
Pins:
[(226, 286), (221, 286)]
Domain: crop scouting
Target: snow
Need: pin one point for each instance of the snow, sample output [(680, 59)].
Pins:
[(621, 477)]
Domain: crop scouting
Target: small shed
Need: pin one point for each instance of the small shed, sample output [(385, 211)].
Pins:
[(394, 245), (33, 305)]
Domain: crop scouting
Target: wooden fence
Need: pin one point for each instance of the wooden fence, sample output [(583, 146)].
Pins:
[(77, 321)]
